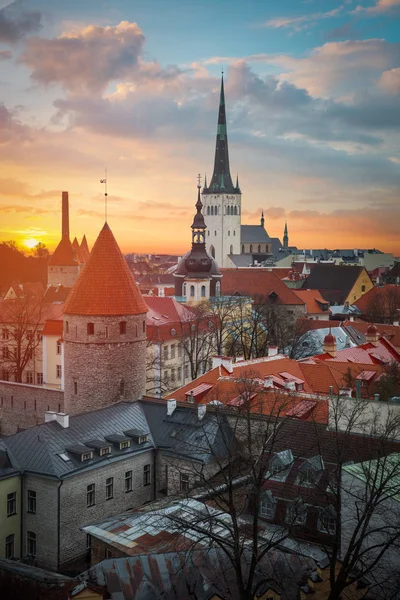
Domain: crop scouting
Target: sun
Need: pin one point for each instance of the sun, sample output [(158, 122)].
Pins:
[(31, 243)]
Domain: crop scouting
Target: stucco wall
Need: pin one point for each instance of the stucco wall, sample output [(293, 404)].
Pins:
[(223, 231)]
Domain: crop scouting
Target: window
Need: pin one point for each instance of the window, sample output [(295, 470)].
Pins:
[(66, 327), (327, 520), (144, 326), (39, 378), (251, 248), (125, 445), (58, 347), (31, 502), (179, 374), (105, 451), (86, 456), (173, 331), (75, 387), (165, 351), (173, 351), (229, 233), (215, 233), (90, 495), (186, 371), (29, 377), (107, 553), (122, 327), (192, 291), (259, 248), (208, 210), (267, 506), (203, 291), (88, 541), (90, 328), (5, 352), (179, 351), (106, 332), (121, 387), (11, 504), (146, 475), (242, 248), (172, 374), (184, 287), (128, 481), (184, 482), (58, 371), (31, 543), (218, 289), (109, 488), (5, 334), (10, 546)]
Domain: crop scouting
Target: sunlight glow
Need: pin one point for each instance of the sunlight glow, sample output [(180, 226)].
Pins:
[(31, 243)]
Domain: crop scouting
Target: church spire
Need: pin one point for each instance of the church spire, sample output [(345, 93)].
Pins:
[(221, 181), (198, 227), (262, 218), (285, 237)]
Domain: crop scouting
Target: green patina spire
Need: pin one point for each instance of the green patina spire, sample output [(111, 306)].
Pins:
[(285, 237), (221, 179)]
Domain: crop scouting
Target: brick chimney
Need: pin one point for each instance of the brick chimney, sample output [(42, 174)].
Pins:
[(65, 215)]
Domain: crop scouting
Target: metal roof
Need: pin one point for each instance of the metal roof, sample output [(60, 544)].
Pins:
[(253, 234)]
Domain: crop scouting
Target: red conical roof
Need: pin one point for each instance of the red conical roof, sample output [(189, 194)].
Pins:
[(63, 255), (85, 249), (77, 249), (372, 330), (106, 285), (329, 339)]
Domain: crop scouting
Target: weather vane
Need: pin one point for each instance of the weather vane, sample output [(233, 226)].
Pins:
[(105, 193), (199, 180)]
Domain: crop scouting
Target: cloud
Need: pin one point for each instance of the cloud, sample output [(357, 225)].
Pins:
[(86, 60), (304, 21), (390, 81), (19, 208), (15, 23), (381, 6), (10, 127)]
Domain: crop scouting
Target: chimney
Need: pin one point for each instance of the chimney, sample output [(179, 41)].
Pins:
[(171, 406), (346, 393), (63, 420), (268, 382), (376, 397), (201, 411), (331, 391), (223, 361), (191, 397), (351, 318), (329, 345), (272, 351), (50, 415), (396, 323), (65, 215), (290, 385)]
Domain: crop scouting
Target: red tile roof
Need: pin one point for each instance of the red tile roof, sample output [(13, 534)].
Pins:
[(164, 316), (390, 332), (53, 327), (77, 251), (106, 285), (379, 295), (255, 282), (313, 301), (63, 255), (321, 376), (366, 354), (85, 249)]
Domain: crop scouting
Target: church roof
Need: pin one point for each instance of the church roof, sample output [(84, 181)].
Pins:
[(221, 181), (250, 234), (63, 255), (105, 286)]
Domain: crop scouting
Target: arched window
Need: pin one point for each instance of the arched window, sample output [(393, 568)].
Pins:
[(235, 210), (259, 248), (121, 387), (215, 233), (122, 327), (192, 291), (184, 290), (212, 251), (229, 233), (144, 326), (208, 232), (208, 210), (231, 249), (216, 210), (212, 210), (238, 210), (217, 288), (251, 248), (227, 210), (203, 291), (234, 232), (242, 248)]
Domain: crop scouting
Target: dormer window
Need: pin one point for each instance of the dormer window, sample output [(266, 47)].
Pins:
[(267, 505), (280, 466), (296, 514), (310, 472), (122, 327), (124, 445), (86, 456), (104, 451), (90, 328)]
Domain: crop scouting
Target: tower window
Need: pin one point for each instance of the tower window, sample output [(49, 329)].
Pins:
[(231, 249), (259, 248), (144, 326), (242, 248), (251, 248), (228, 210), (121, 387), (217, 288), (238, 210), (192, 291), (235, 210), (215, 233), (122, 327), (75, 387), (184, 287), (229, 233), (66, 327), (203, 291), (216, 210), (90, 328), (208, 210), (212, 210), (234, 233)]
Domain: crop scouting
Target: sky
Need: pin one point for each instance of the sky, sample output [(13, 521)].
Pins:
[(312, 92)]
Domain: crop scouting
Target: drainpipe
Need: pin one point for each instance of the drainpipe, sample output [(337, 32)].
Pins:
[(59, 524), (21, 537)]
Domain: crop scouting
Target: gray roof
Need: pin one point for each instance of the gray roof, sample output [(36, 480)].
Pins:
[(44, 448), (253, 234), (276, 245), (241, 260)]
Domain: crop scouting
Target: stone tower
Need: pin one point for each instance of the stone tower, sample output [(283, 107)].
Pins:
[(221, 199), (63, 266), (197, 276), (104, 332)]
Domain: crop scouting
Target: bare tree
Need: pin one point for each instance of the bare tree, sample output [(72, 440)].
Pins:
[(196, 339), (384, 305), (21, 324)]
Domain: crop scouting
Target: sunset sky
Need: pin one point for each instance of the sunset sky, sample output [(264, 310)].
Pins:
[(313, 104)]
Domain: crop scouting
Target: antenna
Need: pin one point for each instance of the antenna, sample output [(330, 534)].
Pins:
[(105, 193)]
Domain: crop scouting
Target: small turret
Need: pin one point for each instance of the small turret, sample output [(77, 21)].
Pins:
[(285, 237), (262, 219)]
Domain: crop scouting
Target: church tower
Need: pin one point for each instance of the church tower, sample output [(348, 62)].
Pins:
[(285, 237), (221, 199), (197, 277), (104, 332)]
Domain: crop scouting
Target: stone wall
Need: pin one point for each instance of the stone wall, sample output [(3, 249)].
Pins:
[(105, 367), (74, 510), (23, 406), (65, 276)]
